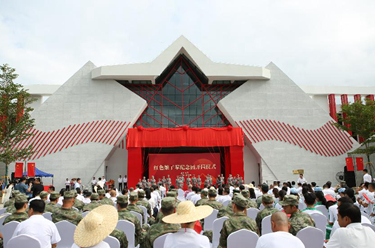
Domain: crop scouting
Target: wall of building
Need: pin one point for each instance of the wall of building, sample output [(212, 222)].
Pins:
[(251, 167), (117, 164)]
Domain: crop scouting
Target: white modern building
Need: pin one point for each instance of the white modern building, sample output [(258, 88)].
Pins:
[(87, 126)]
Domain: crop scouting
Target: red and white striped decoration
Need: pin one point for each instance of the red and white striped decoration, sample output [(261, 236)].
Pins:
[(103, 131), (327, 140)]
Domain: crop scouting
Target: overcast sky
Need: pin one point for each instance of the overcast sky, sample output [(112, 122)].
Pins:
[(314, 42)]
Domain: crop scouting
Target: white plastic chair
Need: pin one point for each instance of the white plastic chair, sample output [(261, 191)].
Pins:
[(112, 241), (226, 203), (369, 225), (180, 195), (48, 216), (85, 213), (23, 240), (159, 241), (2, 218), (217, 226), (261, 207), (366, 215), (66, 231), (323, 209), (320, 221), (266, 225), (302, 206), (138, 215), (2, 210), (129, 230), (252, 213), (145, 214), (8, 231), (242, 238), (311, 237), (209, 220)]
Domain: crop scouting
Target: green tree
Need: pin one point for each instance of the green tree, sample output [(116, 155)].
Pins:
[(15, 118), (359, 118)]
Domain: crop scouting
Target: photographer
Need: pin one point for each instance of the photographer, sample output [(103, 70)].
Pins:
[(37, 187), (23, 188)]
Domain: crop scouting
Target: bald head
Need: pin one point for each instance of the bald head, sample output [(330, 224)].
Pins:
[(279, 222)]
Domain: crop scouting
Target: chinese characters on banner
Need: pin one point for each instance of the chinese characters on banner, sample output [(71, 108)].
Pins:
[(177, 164), (31, 169), (349, 164), (18, 172), (359, 162)]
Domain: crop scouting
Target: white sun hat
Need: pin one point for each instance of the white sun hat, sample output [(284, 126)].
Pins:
[(96, 226), (186, 212)]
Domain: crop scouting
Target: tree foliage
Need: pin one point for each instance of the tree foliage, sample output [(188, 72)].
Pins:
[(15, 118)]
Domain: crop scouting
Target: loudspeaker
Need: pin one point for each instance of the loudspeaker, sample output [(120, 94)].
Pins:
[(349, 177)]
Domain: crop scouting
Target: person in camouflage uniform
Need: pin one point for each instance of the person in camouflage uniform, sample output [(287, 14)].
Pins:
[(66, 212), (52, 205), (188, 180), (169, 182), (229, 179), (238, 221), (78, 204), (144, 182), (153, 181), (194, 181), (143, 202), (93, 204), (199, 181), (250, 203), (20, 215), (212, 199), (121, 237), (228, 210), (43, 195), (132, 206), (10, 206), (204, 199), (267, 201), (103, 200), (264, 189), (124, 214), (168, 206), (298, 220)]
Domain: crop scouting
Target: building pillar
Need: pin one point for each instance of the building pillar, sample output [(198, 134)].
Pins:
[(332, 106)]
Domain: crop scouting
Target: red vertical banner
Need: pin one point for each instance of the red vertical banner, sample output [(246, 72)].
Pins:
[(332, 106), (18, 172), (359, 162), (31, 169), (357, 97), (236, 161), (135, 166), (349, 164), (370, 97)]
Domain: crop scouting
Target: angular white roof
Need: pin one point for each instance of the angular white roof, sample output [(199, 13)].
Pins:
[(150, 71)]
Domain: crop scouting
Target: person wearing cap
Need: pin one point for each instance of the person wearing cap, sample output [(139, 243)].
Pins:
[(228, 210), (132, 206), (267, 201), (52, 205), (280, 236), (168, 207), (250, 203), (11, 208), (186, 215), (204, 199), (212, 199), (38, 227), (239, 220), (143, 202), (77, 203), (298, 220), (95, 227), (104, 200), (43, 195), (20, 203), (66, 212), (93, 204), (124, 214), (264, 189)]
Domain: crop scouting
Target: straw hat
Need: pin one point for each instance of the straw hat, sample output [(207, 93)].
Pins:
[(186, 212), (96, 226)]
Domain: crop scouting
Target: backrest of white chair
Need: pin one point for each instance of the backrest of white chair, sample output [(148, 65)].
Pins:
[(8, 231), (311, 237), (302, 206), (242, 238), (365, 215), (138, 215), (226, 203), (129, 230), (217, 226), (2, 218), (252, 213), (23, 240), (112, 241), (2, 210), (365, 219), (180, 194), (369, 225), (209, 220), (320, 221), (85, 213), (266, 225), (48, 216), (159, 241), (145, 214), (323, 209), (66, 231), (261, 207)]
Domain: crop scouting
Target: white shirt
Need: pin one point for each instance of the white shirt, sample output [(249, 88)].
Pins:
[(224, 198), (101, 183), (93, 181), (60, 201), (67, 183), (332, 210), (329, 192), (301, 180), (186, 238), (195, 198), (124, 179), (367, 178), (80, 197), (337, 226), (40, 228), (279, 240), (311, 211), (189, 195), (77, 185), (100, 245), (352, 236), (86, 200), (119, 179)]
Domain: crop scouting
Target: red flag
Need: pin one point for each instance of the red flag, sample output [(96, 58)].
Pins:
[(359, 162), (349, 164), (198, 227), (31, 169), (18, 172)]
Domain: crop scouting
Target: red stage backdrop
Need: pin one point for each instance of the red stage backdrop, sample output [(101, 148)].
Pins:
[(174, 164)]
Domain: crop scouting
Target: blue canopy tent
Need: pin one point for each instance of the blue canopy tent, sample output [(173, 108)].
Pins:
[(39, 173)]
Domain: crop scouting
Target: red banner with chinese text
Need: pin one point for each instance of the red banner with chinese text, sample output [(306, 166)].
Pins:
[(177, 164), (349, 164), (359, 162), (31, 169), (18, 172)]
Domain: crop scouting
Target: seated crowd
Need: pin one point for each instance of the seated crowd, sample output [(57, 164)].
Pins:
[(158, 209)]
